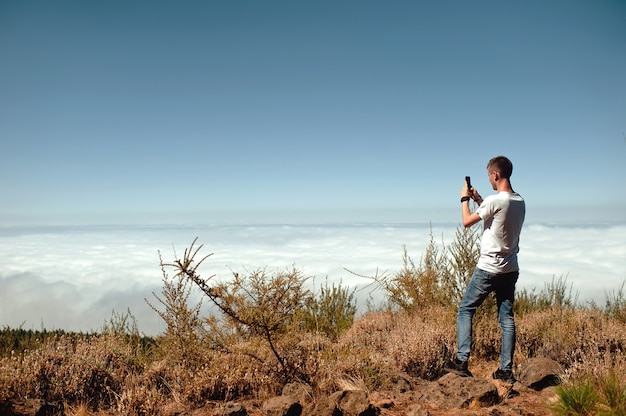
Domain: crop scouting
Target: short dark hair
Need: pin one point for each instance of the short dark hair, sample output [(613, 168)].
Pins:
[(502, 164)]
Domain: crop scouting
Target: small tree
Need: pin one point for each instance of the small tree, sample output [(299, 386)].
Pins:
[(417, 286), (439, 279), (555, 294), (615, 304), (184, 326), (331, 312), (464, 253), (255, 305)]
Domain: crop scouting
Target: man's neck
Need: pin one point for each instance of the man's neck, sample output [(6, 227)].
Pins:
[(504, 185)]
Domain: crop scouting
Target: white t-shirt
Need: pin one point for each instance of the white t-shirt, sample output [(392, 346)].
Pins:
[(503, 216)]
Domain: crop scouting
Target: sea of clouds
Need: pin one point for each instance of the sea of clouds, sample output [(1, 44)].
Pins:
[(73, 278)]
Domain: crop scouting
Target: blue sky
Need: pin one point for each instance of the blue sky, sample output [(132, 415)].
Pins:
[(187, 111)]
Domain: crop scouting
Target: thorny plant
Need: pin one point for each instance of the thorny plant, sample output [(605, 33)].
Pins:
[(254, 304)]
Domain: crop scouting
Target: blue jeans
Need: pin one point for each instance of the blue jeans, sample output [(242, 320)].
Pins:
[(480, 285)]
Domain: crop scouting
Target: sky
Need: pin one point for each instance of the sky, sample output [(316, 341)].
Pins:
[(321, 134), (200, 111)]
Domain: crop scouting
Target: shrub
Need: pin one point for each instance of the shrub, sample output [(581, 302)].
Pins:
[(382, 344), (464, 252), (577, 398), (555, 294), (182, 341), (581, 340), (438, 280), (256, 307), (589, 395), (331, 311), (615, 304), (14, 341), (613, 393), (70, 369)]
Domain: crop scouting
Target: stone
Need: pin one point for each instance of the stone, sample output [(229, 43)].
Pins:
[(354, 403), (539, 373), (282, 406), (322, 407), (301, 392), (417, 409), (231, 409), (455, 392)]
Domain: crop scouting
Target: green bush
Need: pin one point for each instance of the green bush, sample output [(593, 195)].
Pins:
[(331, 311), (615, 304), (464, 252), (255, 307), (613, 395), (182, 341), (587, 395), (555, 294), (439, 279), (577, 398)]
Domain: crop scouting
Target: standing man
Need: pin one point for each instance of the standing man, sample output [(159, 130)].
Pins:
[(497, 269)]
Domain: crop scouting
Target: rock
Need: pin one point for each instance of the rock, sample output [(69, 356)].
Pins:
[(323, 406), (301, 392), (343, 403), (231, 409), (354, 403), (282, 406), (456, 392), (539, 373), (384, 404), (417, 410), (402, 382)]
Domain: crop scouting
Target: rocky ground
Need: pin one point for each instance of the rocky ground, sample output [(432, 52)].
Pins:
[(390, 404), (531, 395)]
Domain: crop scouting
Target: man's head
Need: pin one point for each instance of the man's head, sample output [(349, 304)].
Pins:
[(502, 165), (498, 168)]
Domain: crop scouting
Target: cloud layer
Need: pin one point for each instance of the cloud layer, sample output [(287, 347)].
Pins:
[(74, 277)]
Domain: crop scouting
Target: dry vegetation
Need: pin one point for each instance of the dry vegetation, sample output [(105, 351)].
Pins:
[(268, 329)]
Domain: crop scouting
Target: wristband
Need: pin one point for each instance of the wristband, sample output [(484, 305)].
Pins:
[(465, 198)]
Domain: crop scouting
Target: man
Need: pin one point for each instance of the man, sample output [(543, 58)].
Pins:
[(497, 269)]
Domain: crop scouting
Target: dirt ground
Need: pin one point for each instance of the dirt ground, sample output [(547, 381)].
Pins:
[(524, 402), (519, 400)]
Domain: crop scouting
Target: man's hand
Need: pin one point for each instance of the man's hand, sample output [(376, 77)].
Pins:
[(469, 218), (476, 196), (467, 191), (472, 193)]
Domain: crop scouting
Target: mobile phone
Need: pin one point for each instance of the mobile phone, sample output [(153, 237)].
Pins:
[(469, 183)]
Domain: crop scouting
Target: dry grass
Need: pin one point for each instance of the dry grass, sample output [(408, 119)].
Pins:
[(581, 340), (108, 372)]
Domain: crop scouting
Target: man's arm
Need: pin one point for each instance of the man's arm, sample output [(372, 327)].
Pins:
[(469, 218)]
